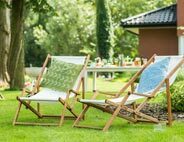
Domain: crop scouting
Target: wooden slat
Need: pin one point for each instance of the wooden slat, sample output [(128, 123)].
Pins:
[(107, 93), (36, 87), (147, 117), (67, 106), (17, 113), (58, 116), (104, 109), (30, 107), (86, 107), (168, 102), (144, 95), (134, 108), (87, 126), (145, 120), (36, 124)]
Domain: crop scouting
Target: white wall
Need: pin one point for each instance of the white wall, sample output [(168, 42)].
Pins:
[(181, 45)]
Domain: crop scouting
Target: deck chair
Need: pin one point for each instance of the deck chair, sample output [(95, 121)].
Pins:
[(59, 84), (128, 101)]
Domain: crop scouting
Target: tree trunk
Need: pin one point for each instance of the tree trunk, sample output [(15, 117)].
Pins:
[(104, 30), (14, 64), (19, 77), (4, 41)]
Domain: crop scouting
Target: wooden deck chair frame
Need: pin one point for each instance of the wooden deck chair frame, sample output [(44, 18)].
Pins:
[(135, 110), (63, 102)]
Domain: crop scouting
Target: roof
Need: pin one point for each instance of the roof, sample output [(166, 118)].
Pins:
[(157, 18)]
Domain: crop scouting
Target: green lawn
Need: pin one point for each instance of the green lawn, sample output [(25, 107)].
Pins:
[(120, 130)]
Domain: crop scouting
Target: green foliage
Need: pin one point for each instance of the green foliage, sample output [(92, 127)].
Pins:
[(180, 76), (34, 53), (178, 96), (36, 13), (4, 4), (41, 6), (177, 91), (70, 28), (70, 31), (104, 31)]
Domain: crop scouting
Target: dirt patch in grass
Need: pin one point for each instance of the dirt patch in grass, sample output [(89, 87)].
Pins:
[(156, 111)]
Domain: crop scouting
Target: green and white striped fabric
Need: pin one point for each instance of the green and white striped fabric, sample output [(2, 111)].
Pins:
[(61, 76)]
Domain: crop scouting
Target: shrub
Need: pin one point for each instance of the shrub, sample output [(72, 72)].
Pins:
[(177, 100), (177, 91)]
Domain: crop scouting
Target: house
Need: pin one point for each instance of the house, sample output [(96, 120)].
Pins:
[(160, 31)]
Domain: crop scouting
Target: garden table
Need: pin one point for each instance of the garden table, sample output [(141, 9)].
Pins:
[(95, 70)]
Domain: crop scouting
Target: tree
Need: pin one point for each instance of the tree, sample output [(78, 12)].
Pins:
[(4, 38), (104, 31), (70, 31), (16, 53), (16, 48)]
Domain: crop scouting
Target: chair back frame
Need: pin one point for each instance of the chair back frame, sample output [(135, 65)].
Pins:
[(48, 58)]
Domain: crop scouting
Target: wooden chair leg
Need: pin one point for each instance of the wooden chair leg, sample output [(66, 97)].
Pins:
[(169, 111), (38, 108), (116, 112), (169, 103), (28, 106), (108, 124), (134, 108), (17, 113), (83, 95), (63, 115), (81, 115), (68, 107)]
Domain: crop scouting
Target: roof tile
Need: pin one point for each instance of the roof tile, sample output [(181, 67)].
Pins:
[(161, 17)]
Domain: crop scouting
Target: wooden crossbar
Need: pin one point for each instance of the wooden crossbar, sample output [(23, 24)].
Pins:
[(36, 124), (58, 116), (88, 126)]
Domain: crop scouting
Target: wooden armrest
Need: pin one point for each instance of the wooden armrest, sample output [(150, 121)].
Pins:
[(27, 91), (107, 93), (24, 92), (73, 91), (145, 95), (111, 103)]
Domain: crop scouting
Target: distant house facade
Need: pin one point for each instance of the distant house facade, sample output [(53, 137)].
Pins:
[(160, 31)]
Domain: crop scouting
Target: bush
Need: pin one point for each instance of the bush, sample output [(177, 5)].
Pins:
[(177, 91), (177, 100)]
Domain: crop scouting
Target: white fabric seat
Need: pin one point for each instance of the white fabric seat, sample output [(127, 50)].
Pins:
[(48, 95), (132, 98)]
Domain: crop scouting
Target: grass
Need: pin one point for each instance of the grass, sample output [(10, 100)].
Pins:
[(120, 130)]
